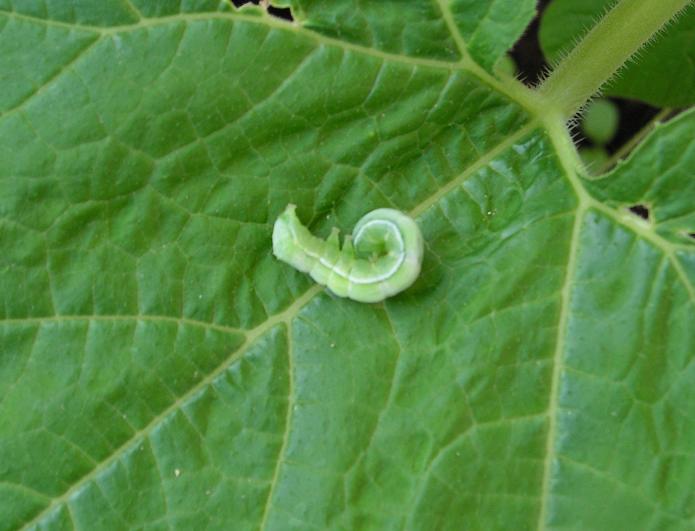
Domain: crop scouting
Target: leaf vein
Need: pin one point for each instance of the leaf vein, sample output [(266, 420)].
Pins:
[(288, 422), (106, 318), (252, 336), (448, 17), (51, 79), (558, 357)]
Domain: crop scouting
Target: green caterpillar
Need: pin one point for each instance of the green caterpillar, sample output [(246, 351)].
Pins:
[(381, 259)]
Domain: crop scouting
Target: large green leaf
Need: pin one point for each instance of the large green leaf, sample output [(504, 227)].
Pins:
[(159, 369), (663, 74), (445, 29)]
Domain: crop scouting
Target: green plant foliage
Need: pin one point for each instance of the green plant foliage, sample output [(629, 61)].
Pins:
[(443, 29), (659, 174), (593, 157), (600, 121), (663, 74), (159, 369), (506, 65)]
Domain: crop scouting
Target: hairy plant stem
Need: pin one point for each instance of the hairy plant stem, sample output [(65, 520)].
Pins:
[(601, 53)]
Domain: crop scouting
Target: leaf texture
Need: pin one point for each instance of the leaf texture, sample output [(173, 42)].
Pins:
[(160, 370), (482, 30)]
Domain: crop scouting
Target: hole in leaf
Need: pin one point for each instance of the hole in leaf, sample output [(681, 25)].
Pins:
[(641, 211), (281, 12), (527, 52)]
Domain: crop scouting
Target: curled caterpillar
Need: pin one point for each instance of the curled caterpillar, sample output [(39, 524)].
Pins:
[(382, 257)]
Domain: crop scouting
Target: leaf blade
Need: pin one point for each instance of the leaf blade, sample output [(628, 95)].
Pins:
[(138, 280)]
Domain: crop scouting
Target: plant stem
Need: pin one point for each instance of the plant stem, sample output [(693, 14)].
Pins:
[(600, 54)]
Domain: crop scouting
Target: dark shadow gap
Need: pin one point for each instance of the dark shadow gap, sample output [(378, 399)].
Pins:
[(692, 235), (285, 13), (641, 211), (281, 12), (527, 53)]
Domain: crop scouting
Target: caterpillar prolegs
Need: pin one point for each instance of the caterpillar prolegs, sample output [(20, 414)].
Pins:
[(382, 257)]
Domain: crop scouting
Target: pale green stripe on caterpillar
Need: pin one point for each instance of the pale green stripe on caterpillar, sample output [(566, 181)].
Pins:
[(381, 259)]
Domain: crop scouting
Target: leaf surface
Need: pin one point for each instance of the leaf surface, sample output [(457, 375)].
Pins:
[(658, 175), (160, 370), (444, 29)]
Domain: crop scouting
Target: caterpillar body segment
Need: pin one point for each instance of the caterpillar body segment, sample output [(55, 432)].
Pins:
[(382, 258)]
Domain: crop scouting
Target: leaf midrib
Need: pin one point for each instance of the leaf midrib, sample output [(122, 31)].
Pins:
[(558, 353), (124, 317)]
